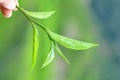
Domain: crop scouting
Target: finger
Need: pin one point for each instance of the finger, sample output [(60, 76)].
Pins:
[(0, 7), (1, 1), (6, 12), (16, 1), (9, 4)]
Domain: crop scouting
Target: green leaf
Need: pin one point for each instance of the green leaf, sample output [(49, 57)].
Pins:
[(70, 43), (39, 15), (35, 44), (50, 56), (61, 54)]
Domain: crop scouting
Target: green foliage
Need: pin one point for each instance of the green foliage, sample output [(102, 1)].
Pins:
[(60, 53), (50, 56), (35, 44), (39, 15), (53, 37), (70, 43)]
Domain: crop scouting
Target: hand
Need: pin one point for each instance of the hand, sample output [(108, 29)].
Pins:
[(7, 6)]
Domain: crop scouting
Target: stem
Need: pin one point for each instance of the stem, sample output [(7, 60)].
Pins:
[(23, 12), (43, 29), (31, 20), (20, 9)]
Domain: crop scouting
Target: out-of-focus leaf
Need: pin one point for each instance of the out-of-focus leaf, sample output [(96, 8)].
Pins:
[(35, 44), (60, 53), (70, 43), (39, 15), (50, 56)]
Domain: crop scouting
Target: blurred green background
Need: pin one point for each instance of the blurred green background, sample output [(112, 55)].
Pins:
[(94, 21)]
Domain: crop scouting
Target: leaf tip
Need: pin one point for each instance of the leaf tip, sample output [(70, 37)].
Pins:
[(42, 66), (96, 45), (68, 62), (93, 45), (53, 12), (32, 67)]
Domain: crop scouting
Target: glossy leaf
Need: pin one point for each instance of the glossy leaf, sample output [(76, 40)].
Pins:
[(39, 15), (50, 56), (35, 44), (70, 43), (60, 53)]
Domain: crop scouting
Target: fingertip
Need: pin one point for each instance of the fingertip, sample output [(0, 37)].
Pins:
[(16, 1), (15, 9), (17, 4), (8, 15)]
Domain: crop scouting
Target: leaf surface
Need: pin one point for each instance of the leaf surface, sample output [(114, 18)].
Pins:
[(70, 43), (35, 44), (50, 56), (39, 15), (61, 54)]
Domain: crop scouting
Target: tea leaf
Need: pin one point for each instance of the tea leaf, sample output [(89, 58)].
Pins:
[(70, 43), (35, 44), (50, 56), (61, 54), (39, 15)]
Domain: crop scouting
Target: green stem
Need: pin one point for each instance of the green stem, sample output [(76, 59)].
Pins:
[(31, 20), (21, 10)]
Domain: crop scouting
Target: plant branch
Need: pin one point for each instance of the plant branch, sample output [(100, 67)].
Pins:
[(31, 20)]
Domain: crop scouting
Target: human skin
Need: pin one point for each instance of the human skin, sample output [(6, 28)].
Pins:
[(7, 6)]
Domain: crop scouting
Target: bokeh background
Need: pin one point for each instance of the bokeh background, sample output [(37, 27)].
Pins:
[(94, 21)]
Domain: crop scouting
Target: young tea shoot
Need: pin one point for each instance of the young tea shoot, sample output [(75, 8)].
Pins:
[(53, 37)]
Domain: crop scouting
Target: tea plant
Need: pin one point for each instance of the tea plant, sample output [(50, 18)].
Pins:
[(54, 38)]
